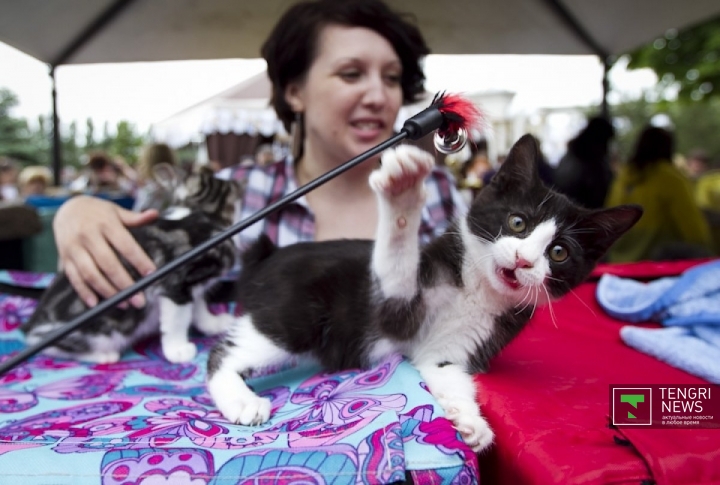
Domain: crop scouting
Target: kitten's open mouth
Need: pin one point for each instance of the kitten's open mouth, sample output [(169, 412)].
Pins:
[(508, 277)]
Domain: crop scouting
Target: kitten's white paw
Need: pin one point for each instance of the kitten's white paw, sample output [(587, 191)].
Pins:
[(101, 357), (210, 324), (250, 410), (473, 428), (180, 353), (403, 168)]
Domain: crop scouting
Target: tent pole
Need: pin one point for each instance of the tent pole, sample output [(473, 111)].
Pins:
[(56, 144), (604, 107), (579, 30)]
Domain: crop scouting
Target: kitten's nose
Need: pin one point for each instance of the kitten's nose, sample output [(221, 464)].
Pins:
[(521, 262)]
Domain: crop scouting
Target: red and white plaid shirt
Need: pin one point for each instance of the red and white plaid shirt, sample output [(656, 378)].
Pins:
[(296, 222)]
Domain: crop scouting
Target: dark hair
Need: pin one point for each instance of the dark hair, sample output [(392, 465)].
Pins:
[(292, 45), (591, 144), (653, 145), (99, 160)]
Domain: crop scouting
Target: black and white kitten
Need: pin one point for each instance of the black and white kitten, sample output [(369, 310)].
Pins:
[(449, 307), (204, 206)]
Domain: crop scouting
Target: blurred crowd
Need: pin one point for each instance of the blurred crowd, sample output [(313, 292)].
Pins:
[(680, 193)]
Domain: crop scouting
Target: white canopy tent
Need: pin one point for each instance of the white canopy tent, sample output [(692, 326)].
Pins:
[(86, 31)]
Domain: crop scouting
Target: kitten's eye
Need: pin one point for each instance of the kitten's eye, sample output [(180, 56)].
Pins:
[(558, 253), (516, 223)]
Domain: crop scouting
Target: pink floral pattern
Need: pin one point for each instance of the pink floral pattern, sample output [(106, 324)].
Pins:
[(144, 421)]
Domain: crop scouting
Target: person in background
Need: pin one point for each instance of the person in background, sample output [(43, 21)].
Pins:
[(8, 179), (339, 72), (672, 225), (707, 180), (150, 193), (104, 175), (583, 173), (264, 155), (34, 180)]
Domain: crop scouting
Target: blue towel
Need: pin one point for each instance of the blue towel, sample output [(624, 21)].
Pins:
[(689, 299), (688, 305), (695, 349)]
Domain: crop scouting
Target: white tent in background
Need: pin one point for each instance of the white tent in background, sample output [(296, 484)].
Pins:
[(242, 110)]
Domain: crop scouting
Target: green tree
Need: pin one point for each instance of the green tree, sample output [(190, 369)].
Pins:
[(126, 143), (697, 125), (687, 60), (71, 152), (16, 138), (90, 142)]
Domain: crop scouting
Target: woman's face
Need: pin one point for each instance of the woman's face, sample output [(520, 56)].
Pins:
[(351, 95)]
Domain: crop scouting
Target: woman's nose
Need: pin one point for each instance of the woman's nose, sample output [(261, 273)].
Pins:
[(376, 92)]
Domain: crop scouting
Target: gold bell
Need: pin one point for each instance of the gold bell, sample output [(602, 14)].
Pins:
[(450, 142)]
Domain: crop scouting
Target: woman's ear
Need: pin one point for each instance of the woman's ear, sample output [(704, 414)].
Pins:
[(294, 97)]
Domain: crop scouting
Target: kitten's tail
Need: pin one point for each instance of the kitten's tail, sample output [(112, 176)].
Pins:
[(256, 253)]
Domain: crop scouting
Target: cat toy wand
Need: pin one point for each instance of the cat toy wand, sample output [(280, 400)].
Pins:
[(450, 116)]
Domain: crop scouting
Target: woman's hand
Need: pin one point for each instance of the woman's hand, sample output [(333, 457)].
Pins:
[(88, 231)]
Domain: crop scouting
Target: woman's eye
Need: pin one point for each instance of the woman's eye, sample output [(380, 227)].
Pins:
[(558, 253), (516, 223), (393, 79), (350, 75)]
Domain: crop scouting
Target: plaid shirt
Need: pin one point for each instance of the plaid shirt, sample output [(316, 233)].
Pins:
[(296, 222)]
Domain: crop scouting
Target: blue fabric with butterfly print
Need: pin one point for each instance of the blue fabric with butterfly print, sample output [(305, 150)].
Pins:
[(143, 421)]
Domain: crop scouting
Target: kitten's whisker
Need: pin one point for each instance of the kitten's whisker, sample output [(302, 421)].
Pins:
[(550, 308), (521, 302), (537, 294), (547, 197), (581, 301)]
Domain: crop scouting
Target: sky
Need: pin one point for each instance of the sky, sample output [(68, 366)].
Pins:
[(146, 93)]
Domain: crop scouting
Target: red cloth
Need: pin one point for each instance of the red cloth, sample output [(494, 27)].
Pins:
[(546, 396)]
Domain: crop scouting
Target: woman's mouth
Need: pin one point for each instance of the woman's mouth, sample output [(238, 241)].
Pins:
[(367, 129)]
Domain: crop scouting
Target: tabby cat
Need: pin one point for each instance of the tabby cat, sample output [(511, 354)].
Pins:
[(204, 206), (449, 307)]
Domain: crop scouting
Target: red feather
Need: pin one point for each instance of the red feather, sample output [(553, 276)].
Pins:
[(457, 112)]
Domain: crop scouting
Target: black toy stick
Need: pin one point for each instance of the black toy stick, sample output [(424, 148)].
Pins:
[(446, 114)]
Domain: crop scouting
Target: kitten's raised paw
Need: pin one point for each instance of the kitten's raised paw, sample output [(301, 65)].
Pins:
[(180, 353), (473, 428), (402, 168)]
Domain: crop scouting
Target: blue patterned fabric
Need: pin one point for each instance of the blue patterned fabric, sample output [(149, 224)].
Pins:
[(144, 421), (688, 305)]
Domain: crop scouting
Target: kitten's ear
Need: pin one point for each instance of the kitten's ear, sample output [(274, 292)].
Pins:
[(607, 225), (167, 176), (521, 165)]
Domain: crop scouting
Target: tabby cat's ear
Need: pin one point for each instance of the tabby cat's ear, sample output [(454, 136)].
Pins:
[(167, 176), (606, 226), (520, 168)]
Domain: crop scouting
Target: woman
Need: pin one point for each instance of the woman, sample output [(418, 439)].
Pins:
[(340, 72), (672, 226)]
